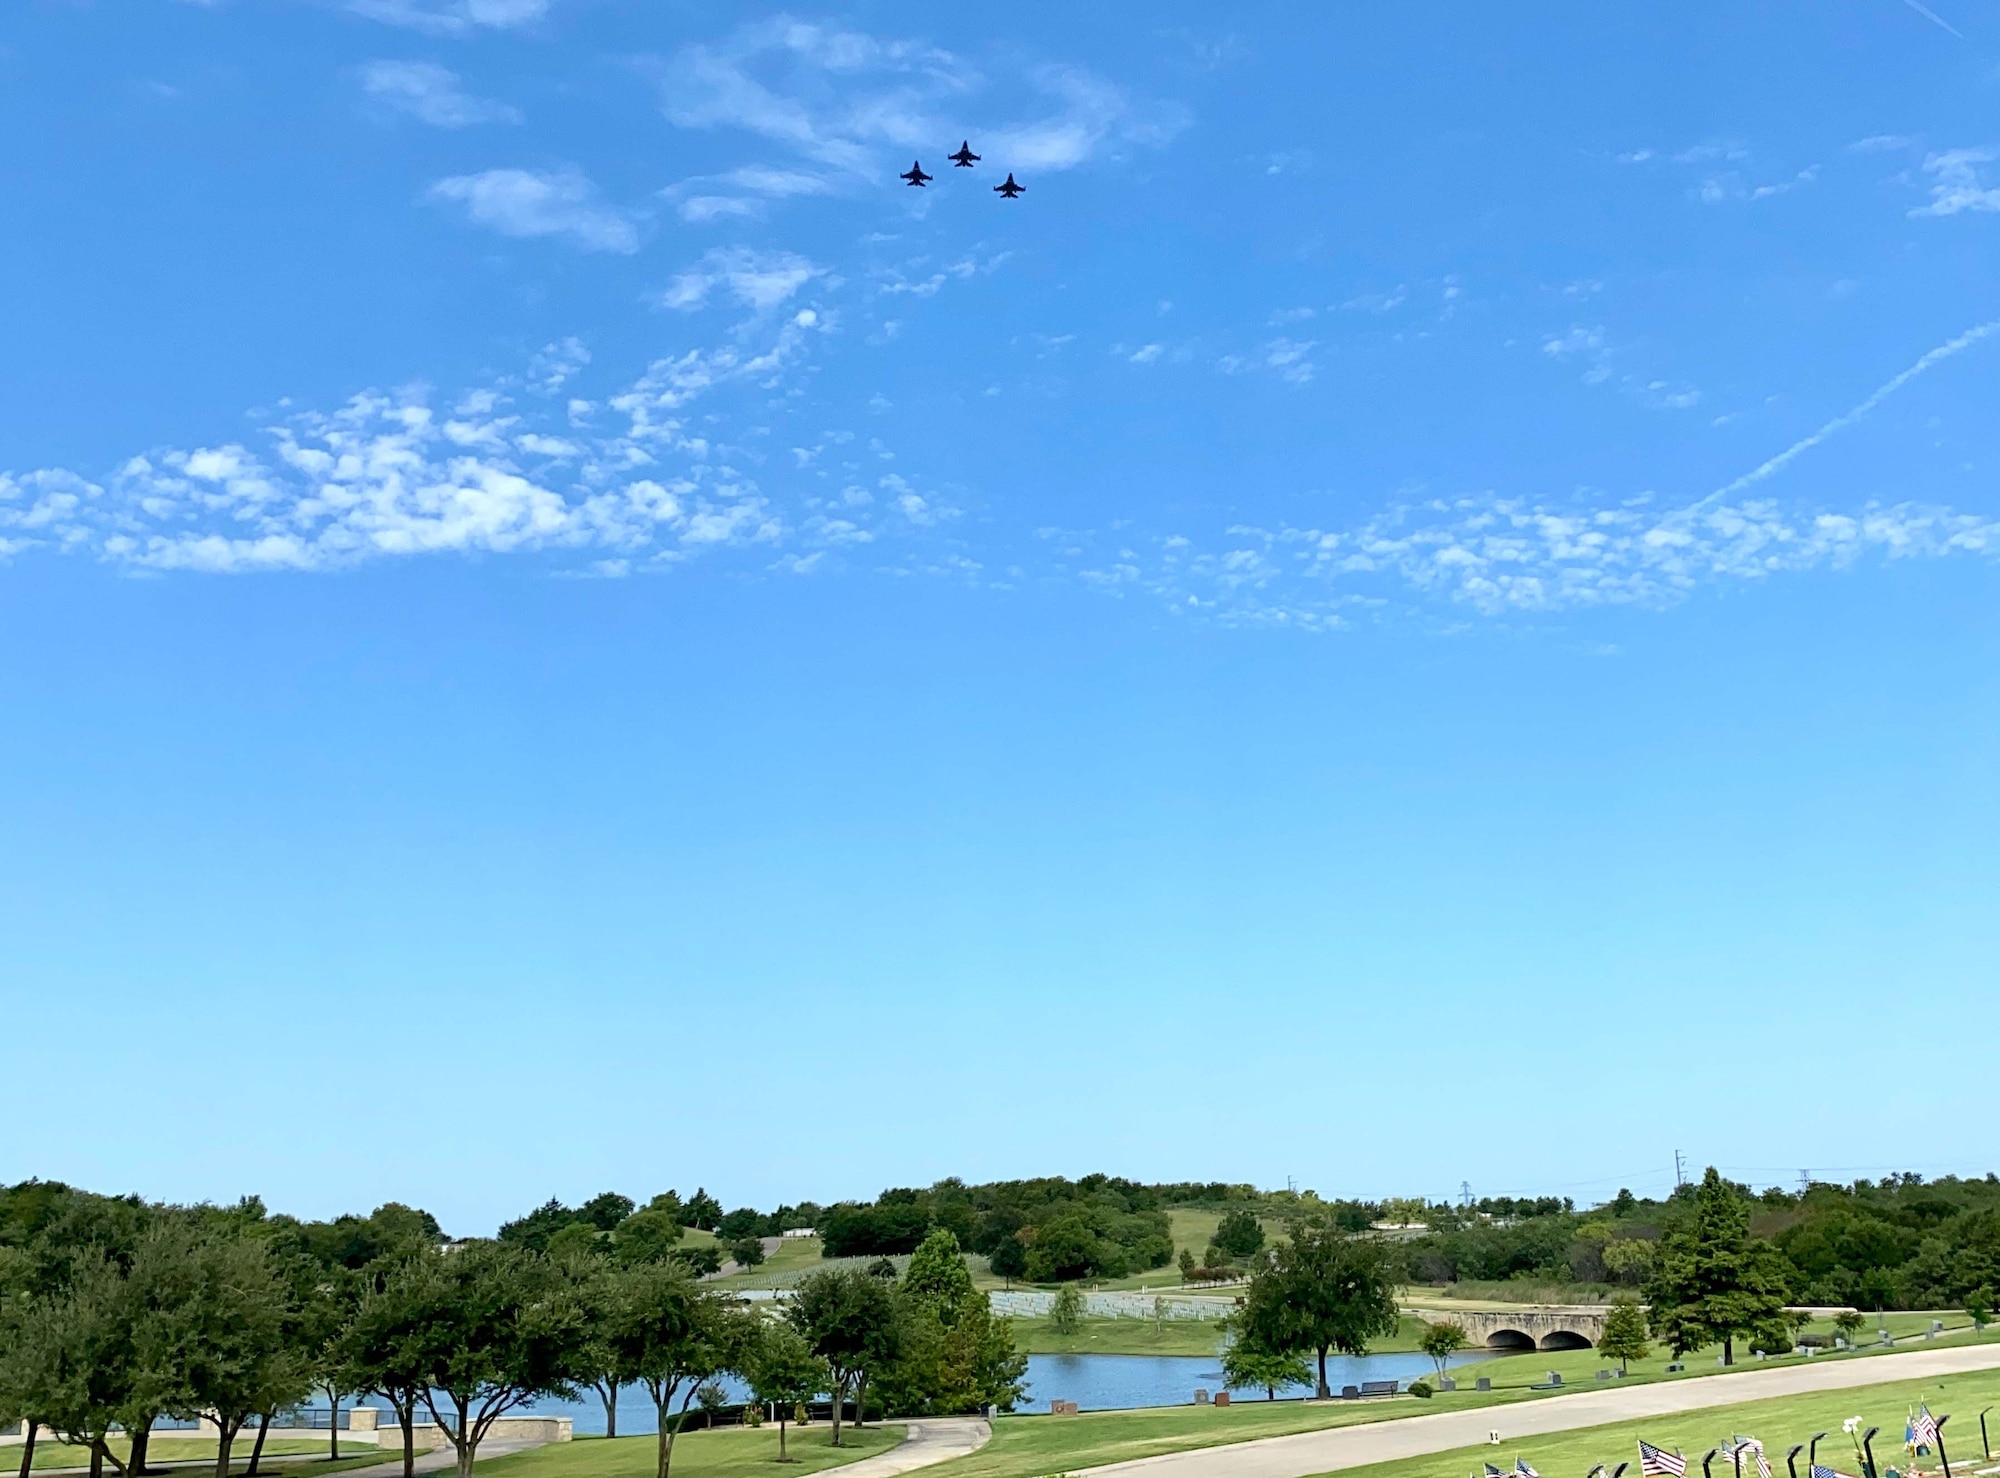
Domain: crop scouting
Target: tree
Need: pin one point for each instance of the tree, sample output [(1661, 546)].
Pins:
[(1624, 1336), (603, 1286), (1066, 1311), (500, 1326), (1238, 1234), (845, 1316), (1441, 1341), (952, 1355), (747, 1251), (1628, 1259), (1712, 1281), (1244, 1367), (647, 1236), (1322, 1290), (673, 1335), (1187, 1263), (783, 1372), (383, 1346), (227, 1327), (1848, 1323)]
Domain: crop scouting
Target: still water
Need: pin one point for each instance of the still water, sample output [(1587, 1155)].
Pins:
[(1094, 1382), (1115, 1382)]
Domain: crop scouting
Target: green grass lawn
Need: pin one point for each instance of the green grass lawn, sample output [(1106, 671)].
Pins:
[(1120, 1337), (1779, 1423), (1030, 1446), (730, 1452), (194, 1449)]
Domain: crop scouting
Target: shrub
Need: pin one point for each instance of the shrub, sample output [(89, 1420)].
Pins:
[(1421, 1389)]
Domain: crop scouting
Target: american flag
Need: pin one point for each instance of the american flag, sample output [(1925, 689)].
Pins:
[(1821, 1470), (1493, 1472), (1756, 1449), (1656, 1462), (1923, 1431), (1522, 1469)]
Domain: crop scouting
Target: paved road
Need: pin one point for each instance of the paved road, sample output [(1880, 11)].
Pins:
[(926, 1440), (1350, 1447)]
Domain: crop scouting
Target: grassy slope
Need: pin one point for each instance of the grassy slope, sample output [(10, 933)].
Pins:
[(1120, 1337), (1029, 1446), (730, 1452), (1779, 1423)]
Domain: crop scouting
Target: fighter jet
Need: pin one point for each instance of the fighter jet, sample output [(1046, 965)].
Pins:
[(915, 174), (964, 158), (1010, 189)]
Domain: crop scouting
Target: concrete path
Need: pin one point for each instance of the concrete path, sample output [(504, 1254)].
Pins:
[(926, 1440), (1376, 1442)]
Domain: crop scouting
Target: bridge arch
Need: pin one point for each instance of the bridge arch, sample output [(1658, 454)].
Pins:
[(1509, 1339), (1564, 1339)]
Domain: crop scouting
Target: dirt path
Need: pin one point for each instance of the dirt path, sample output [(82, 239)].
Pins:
[(1376, 1442)]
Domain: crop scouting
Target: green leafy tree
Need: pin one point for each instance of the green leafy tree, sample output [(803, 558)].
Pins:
[(1628, 1260), (747, 1252), (1238, 1233), (1441, 1341), (783, 1373), (1322, 1290), (500, 1326), (1624, 1336), (848, 1319), (384, 1348), (227, 1327), (1187, 1263), (675, 1336), (1066, 1313), (952, 1354), (1712, 1281), (938, 1274), (1848, 1323), (1245, 1367), (647, 1236)]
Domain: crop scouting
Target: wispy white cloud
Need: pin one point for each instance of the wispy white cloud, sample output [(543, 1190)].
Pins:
[(520, 202), (432, 94), (1957, 184), (760, 280), (856, 103), (452, 17)]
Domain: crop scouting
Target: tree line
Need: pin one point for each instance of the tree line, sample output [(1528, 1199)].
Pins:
[(116, 1313), (1901, 1242)]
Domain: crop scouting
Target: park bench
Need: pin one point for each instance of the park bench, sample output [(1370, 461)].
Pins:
[(1378, 1388)]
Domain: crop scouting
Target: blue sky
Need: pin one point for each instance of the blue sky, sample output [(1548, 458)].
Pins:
[(1421, 608)]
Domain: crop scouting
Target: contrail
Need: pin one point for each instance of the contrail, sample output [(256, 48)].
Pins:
[(1840, 423), (1933, 17)]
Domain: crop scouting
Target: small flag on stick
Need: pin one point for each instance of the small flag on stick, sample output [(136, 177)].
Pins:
[(1657, 1462)]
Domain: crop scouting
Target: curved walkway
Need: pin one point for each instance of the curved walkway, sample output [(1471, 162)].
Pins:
[(926, 1440), (1306, 1453)]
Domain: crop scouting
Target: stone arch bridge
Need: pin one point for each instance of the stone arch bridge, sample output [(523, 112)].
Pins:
[(1530, 1327)]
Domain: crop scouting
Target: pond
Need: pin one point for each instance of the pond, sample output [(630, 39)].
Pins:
[(1093, 1382), (1116, 1382)]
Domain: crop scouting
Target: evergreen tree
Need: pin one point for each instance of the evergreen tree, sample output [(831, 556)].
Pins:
[(1624, 1336), (1713, 1281)]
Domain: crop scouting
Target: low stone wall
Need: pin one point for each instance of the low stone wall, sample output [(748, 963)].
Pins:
[(1034, 1303)]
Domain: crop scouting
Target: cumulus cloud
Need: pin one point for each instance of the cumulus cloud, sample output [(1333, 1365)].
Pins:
[(520, 202), (452, 17), (402, 475), (1957, 185), (432, 94), (760, 280)]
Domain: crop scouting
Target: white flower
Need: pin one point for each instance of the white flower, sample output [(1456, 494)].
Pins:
[(1851, 1425)]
